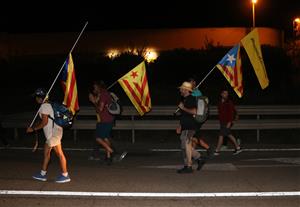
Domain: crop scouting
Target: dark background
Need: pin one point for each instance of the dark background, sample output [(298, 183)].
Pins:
[(22, 75), (18, 16)]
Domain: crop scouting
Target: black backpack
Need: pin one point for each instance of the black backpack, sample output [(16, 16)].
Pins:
[(62, 115), (202, 109)]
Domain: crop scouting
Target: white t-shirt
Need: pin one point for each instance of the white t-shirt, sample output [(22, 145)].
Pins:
[(51, 130)]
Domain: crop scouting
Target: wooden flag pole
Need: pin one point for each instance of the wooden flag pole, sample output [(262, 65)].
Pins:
[(59, 72)]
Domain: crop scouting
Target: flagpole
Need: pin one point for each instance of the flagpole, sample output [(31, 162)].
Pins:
[(60, 71), (200, 83), (206, 76), (112, 85)]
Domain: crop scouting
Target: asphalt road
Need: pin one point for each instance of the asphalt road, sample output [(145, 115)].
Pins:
[(252, 178)]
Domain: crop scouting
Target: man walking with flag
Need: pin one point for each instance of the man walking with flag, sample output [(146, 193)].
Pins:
[(53, 134), (187, 128), (101, 99)]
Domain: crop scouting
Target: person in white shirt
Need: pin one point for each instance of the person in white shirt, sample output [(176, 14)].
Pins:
[(53, 134)]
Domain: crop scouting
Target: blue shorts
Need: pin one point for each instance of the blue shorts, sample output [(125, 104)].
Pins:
[(103, 130)]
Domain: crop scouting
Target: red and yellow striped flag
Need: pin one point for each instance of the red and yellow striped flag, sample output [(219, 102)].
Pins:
[(69, 85), (135, 85)]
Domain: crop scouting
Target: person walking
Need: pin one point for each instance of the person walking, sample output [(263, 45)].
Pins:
[(188, 125), (53, 134), (198, 137), (227, 113), (101, 99)]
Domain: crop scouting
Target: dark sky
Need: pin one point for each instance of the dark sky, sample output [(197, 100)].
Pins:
[(103, 15)]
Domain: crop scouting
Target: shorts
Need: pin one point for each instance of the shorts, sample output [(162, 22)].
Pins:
[(198, 131), (54, 141), (224, 131), (103, 130)]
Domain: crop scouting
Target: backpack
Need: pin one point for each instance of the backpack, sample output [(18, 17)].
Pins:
[(62, 115), (114, 107), (202, 109)]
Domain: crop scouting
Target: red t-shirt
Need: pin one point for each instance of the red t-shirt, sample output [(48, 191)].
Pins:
[(105, 116), (226, 111)]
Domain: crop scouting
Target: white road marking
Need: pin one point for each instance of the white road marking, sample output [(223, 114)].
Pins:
[(289, 160), (145, 194), (209, 167), (166, 150)]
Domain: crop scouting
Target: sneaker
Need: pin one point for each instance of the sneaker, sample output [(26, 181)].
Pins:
[(93, 158), (210, 152), (109, 160), (200, 162), (185, 169), (122, 156), (62, 179), (224, 147), (40, 177), (216, 153), (237, 151)]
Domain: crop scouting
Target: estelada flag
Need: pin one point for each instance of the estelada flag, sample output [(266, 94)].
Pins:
[(135, 85), (230, 67), (252, 46), (68, 80)]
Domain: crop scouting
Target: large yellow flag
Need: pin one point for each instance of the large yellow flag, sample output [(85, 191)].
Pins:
[(252, 46), (135, 85)]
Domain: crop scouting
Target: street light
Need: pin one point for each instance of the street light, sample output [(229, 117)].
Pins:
[(296, 26), (253, 13)]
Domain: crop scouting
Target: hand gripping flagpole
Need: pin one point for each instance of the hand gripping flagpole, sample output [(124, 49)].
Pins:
[(200, 83), (59, 72)]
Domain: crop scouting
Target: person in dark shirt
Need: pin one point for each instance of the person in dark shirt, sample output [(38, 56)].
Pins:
[(188, 125), (227, 115)]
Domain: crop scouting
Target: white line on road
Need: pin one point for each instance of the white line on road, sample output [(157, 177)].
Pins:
[(167, 150), (145, 195)]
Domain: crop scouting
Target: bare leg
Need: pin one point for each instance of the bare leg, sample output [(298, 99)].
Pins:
[(62, 159), (203, 144), (233, 139), (220, 142), (106, 146), (47, 156)]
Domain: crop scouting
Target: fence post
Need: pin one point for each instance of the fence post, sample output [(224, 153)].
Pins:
[(75, 135), (132, 130), (16, 134), (257, 130)]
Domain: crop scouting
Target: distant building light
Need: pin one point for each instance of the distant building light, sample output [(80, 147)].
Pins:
[(113, 54), (150, 55)]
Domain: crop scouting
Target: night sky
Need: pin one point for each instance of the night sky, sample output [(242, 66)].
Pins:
[(111, 15)]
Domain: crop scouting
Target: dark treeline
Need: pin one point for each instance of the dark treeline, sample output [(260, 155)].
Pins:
[(22, 75)]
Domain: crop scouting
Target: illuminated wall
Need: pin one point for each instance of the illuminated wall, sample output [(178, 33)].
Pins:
[(156, 39)]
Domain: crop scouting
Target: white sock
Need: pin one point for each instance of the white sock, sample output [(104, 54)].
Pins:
[(43, 173), (65, 174)]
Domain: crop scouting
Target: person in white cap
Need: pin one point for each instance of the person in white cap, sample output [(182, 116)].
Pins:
[(53, 134), (188, 125)]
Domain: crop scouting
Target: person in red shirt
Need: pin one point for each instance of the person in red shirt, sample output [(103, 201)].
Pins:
[(227, 115), (101, 99)]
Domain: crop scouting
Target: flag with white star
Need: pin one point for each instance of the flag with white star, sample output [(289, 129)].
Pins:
[(230, 67), (135, 85)]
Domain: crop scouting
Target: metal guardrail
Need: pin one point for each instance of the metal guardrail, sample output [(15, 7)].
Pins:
[(162, 118)]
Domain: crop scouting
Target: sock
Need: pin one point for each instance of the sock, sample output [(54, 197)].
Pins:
[(65, 174), (43, 173)]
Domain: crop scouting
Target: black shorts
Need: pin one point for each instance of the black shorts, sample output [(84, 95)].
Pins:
[(224, 131), (198, 133)]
